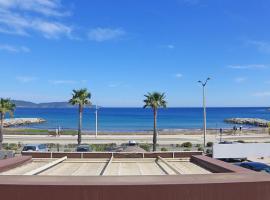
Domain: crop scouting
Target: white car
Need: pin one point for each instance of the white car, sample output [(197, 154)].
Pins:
[(36, 147), (132, 143)]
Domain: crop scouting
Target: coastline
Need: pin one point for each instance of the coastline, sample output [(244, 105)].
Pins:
[(195, 131)]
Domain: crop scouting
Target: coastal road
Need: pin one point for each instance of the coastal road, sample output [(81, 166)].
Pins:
[(119, 139)]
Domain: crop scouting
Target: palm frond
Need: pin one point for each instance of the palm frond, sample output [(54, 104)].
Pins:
[(6, 106), (81, 97), (155, 100)]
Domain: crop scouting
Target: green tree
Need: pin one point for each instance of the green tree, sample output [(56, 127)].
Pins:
[(81, 98), (155, 100), (6, 106)]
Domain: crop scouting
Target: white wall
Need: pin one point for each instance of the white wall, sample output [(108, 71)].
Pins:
[(241, 150)]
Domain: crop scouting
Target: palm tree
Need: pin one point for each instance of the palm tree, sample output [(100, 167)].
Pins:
[(6, 106), (155, 100), (80, 97)]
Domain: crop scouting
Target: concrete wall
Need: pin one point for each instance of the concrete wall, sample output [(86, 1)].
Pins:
[(190, 187), (10, 163), (241, 150), (218, 166), (241, 185)]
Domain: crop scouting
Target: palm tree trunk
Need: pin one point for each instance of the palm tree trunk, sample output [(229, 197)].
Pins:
[(155, 131), (1, 130), (80, 125)]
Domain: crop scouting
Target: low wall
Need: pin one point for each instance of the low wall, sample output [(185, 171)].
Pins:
[(10, 163), (230, 186), (217, 166), (176, 154)]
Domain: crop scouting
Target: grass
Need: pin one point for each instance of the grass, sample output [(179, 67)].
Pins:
[(35, 132), (146, 147)]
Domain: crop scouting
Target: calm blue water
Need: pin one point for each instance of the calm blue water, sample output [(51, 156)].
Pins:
[(138, 119)]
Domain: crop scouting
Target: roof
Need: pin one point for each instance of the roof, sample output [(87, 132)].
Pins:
[(107, 167)]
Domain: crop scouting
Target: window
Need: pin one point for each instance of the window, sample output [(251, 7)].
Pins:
[(29, 148)]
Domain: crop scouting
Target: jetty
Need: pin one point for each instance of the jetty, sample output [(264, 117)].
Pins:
[(22, 121), (248, 121)]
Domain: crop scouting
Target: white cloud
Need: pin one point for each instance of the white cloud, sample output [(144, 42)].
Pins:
[(64, 82), (178, 75), (167, 46), (254, 66), (240, 79), (262, 94), (104, 34), (262, 46), (45, 7), (24, 17), (52, 29), (14, 49), (113, 85), (26, 79), (170, 46)]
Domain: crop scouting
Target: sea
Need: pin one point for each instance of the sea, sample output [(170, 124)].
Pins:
[(139, 119)]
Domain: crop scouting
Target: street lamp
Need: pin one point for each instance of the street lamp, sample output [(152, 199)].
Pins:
[(204, 110), (96, 120)]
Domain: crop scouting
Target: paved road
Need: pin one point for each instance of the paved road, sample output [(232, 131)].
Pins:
[(119, 139)]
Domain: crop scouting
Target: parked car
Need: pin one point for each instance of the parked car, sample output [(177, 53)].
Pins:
[(226, 142), (83, 148), (132, 143), (36, 147), (233, 160), (256, 166)]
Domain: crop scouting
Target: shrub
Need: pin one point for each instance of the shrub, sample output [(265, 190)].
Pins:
[(240, 141), (102, 147), (209, 151), (209, 144), (178, 145), (98, 147), (187, 149), (146, 147), (71, 146), (51, 145), (5, 146), (164, 149), (198, 145), (20, 144), (200, 149), (12, 146), (186, 145)]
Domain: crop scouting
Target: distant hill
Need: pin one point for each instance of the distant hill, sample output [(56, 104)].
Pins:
[(27, 104)]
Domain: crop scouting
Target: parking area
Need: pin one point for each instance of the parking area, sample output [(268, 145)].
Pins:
[(106, 167)]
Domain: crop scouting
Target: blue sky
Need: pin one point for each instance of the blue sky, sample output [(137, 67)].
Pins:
[(121, 49)]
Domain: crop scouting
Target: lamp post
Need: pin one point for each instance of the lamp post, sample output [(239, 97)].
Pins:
[(96, 120), (204, 111)]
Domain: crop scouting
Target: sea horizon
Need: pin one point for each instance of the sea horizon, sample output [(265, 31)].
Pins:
[(136, 119)]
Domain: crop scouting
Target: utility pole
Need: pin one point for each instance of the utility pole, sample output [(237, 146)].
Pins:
[(204, 111)]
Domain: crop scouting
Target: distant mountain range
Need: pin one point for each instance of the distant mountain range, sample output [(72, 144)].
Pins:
[(28, 104)]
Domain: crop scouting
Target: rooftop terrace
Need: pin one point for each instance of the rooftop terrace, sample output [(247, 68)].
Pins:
[(144, 176), (107, 167)]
